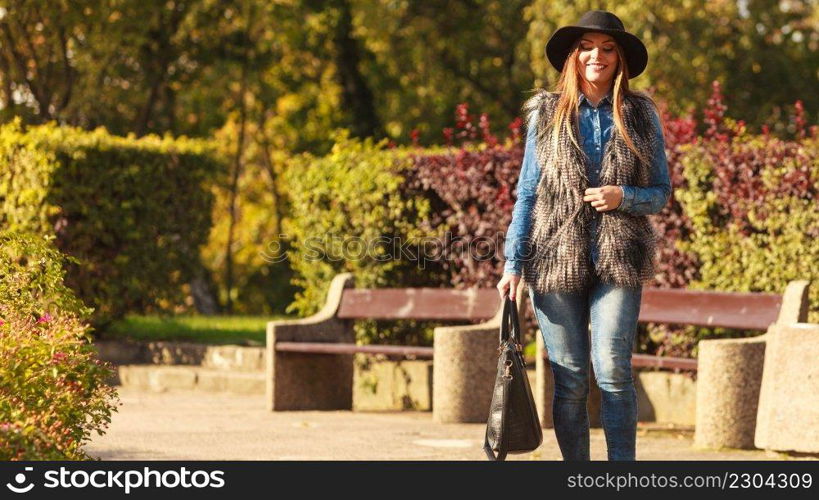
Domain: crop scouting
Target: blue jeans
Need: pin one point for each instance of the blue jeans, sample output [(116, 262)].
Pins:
[(564, 323)]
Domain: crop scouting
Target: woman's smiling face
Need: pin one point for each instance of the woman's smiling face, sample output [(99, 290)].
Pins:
[(598, 57)]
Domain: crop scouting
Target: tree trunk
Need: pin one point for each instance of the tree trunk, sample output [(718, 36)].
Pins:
[(355, 93)]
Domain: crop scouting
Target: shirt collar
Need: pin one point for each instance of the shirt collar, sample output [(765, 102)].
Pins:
[(607, 98)]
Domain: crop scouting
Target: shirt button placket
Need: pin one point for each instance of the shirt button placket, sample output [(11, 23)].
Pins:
[(597, 135)]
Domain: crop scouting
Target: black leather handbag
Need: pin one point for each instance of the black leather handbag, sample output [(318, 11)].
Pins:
[(513, 425)]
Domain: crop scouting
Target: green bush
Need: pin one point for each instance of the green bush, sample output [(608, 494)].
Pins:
[(53, 393), (346, 210), (340, 207), (753, 205), (134, 212), (31, 276)]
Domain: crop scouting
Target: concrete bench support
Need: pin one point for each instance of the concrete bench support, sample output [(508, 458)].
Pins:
[(788, 416), (305, 381), (727, 392), (464, 368)]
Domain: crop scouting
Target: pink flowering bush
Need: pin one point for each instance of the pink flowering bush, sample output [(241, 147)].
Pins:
[(53, 391)]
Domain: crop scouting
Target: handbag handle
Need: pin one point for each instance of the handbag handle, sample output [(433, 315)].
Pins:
[(510, 315)]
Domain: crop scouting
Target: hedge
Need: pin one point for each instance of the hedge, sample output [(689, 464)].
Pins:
[(133, 212)]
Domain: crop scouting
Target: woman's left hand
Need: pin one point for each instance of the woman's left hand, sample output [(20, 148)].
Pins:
[(604, 198)]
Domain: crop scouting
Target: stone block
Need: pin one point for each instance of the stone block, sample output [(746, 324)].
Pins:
[(728, 382), (666, 397), (383, 384), (788, 416)]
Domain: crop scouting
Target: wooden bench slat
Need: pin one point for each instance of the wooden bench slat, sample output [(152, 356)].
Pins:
[(753, 311), (649, 361), (347, 348), (637, 360), (419, 303), (739, 310)]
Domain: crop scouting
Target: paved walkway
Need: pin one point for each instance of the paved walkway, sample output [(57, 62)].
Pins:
[(211, 426)]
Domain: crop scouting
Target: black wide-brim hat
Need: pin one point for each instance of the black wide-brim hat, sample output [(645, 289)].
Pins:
[(558, 46)]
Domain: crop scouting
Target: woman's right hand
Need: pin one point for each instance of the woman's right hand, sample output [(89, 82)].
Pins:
[(508, 285)]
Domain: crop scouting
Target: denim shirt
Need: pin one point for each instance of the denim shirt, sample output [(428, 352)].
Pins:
[(595, 129)]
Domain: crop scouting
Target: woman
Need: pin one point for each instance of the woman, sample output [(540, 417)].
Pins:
[(594, 167)]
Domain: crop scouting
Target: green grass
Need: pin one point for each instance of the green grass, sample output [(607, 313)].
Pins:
[(245, 330)]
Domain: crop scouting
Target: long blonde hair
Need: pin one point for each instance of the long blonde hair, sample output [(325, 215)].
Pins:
[(569, 88)]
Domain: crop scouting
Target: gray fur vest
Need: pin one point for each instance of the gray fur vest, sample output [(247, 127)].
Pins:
[(558, 255)]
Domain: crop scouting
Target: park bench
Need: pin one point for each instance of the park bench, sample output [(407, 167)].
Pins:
[(310, 360), (707, 308)]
